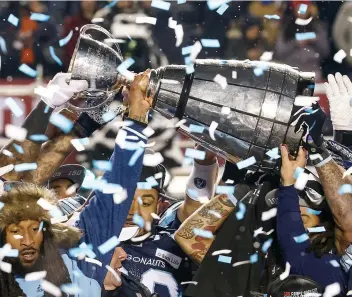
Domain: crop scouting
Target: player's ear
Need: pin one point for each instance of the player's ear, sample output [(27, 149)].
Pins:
[(162, 205)]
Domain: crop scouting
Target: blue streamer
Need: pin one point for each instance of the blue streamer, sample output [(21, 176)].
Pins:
[(301, 238), (305, 36), (39, 17), (25, 167), (195, 128), (225, 190), (102, 165), (210, 42), (272, 16), (27, 70), (38, 137), (266, 245), (241, 212), (61, 122), (66, 39), (222, 9), (138, 220), (3, 45), (18, 148), (203, 233), (108, 245), (253, 258), (13, 20), (225, 259), (111, 4), (161, 4), (135, 156), (54, 56)]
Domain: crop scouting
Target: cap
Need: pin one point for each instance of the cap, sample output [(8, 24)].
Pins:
[(73, 172), (294, 285)]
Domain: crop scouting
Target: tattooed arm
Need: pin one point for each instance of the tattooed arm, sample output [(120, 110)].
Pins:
[(209, 217), (330, 175)]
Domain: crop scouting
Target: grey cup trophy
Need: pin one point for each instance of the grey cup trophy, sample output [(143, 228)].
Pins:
[(261, 106)]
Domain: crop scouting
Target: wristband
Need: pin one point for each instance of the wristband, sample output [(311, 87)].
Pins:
[(321, 159), (85, 126), (202, 181)]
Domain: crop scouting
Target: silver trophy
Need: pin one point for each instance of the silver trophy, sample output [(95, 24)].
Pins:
[(261, 105)]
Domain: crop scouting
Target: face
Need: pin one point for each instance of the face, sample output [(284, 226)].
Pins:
[(60, 187), (145, 202), (309, 220), (27, 239)]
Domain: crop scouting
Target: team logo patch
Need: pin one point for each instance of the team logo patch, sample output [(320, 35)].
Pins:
[(200, 183), (173, 260)]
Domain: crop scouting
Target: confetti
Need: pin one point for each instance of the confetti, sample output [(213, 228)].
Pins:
[(196, 49), (71, 189), (16, 133), (241, 212), (210, 42), (141, 238), (113, 272), (94, 261), (161, 4), (339, 56), (253, 258), (179, 35), (153, 160), (34, 276), (102, 165), (27, 70), (225, 110), (234, 74), (120, 196), (6, 267), (214, 4), (135, 156), (202, 233), (266, 56), (169, 81), (332, 290), (152, 181), (138, 220), (229, 181), (302, 8), (148, 131), (272, 16), (111, 4), (225, 190), (54, 56), (66, 39), (246, 163), (303, 22), (305, 36), (78, 143), (267, 215), (301, 238), (314, 212), (172, 23), (345, 189), (46, 205), (125, 65), (241, 263), (18, 148), (13, 253), (316, 229), (39, 17), (189, 68), (3, 45), (305, 101), (334, 263), (298, 171), (155, 216), (286, 273), (108, 245), (225, 259), (347, 172), (97, 20), (6, 169), (38, 137), (301, 181), (258, 71), (212, 129), (215, 214), (71, 289), (273, 153), (50, 288), (14, 107), (57, 220), (13, 20), (221, 81), (61, 122), (197, 129), (190, 283), (222, 8), (2, 205), (146, 20), (25, 167), (215, 253), (181, 1), (266, 245), (195, 154)]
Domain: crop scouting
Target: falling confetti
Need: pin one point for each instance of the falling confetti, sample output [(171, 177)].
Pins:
[(71, 289), (286, 273), (50, 288), (58, 220), (153, 160), (78, 143), (138, 220), (266, 56), (27, 70), (302, 8), (172, 23), (224, 259), (189, 283), (272, 16), (3, 45), (152, 181), (202, 233), (345, 189), (316, 229), (313, 212), (18, 148), (146, 20), (225, 110), (267, 215), (179, 35), (25, 167), (253, 258), (196, 49), (234, 74), (108, 245), (221, 81), (241, 263), (66, 39), (113, 272), (266, 245), (181, 1), (273, 153), (14, 107), (222, 8), (212, 129), (135, 156), (305, 36), (102, 165), (210, 42), (332, 290), (38, 137), (215, 253), (34, 276), (46, 205), (94, 261), (339, 56), (214, 4), (215, 214), (195, 128), (301, 238), (195, 154), (61, 122), (225, 190), (6, 169), (148, 131), (6, 267), (155, 216), (13, 20), (246, 163), (334, 263), (241, 212), (306, 101), (54, 56), (161, 4), (303, 22), (39, 17)]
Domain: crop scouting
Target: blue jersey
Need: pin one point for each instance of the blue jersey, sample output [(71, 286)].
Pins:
[(159, 263)]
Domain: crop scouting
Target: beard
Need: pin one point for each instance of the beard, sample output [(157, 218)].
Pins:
[(21, 270)]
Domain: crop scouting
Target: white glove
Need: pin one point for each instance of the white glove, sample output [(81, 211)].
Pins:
[(339, 93), (58, 92)]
